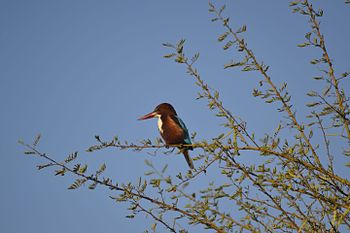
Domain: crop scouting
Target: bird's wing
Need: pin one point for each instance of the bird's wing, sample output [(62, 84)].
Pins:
[(187, 138)]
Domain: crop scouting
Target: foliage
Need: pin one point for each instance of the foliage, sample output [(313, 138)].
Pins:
[(293, 189)]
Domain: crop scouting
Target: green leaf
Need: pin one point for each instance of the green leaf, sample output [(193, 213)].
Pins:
[(211, 6), (319, 13), (42, 166), (92, 186), (180, 59), (228, 45), (168, 45), (169, 55), (225, 21), (164, 168), (185, 185), (153, 227), (83, 169), (314, 61), (76, 167), (97, 137), (347, 152), (242, 29), (71, 157), (232, 64), (29, 152), (293, 3), (326, 90), (180, 46), (303, 44), (223, 36), (36, 140), (310, 105), (155, 183), (222, 9), (312, 93), (77, 183), (148, 163), (308, 35), (149, 173), (101, 169), (60, 172)]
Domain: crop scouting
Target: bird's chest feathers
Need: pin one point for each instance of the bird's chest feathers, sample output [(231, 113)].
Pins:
[(160, 124)]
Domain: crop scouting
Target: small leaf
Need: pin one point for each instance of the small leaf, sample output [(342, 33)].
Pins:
[(149, 173), (326, 90), (180, 46), (169, 55), (242, 29), (310, 105), (148, 163), (93, 185), (153, 227), (37, 139), (97, 137), (180, 59), (225, 21), (60, 172), (71, 157), (347, 152), (44, 166), (303, 44), (29, 152), (164, 168), (312, 93), (185, 185), (83, 169), (314, 61), (228, 45), (101, 169), (222, 36), (76, 167), (222, 9), (168, 45), (77, 183), (232, 64)]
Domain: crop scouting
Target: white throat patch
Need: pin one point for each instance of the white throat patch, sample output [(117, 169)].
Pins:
[(160, 124)]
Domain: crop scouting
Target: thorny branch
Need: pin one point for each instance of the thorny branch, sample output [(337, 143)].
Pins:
[(111, 186)]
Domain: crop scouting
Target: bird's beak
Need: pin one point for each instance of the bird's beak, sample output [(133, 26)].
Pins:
[(148, 116)]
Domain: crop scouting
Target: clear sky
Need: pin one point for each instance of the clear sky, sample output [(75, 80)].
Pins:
[(73, 69)]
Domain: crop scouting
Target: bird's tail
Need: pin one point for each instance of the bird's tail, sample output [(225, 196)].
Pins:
[(188, 159)]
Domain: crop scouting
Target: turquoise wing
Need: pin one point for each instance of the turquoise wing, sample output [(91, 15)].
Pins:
[(187, 138)]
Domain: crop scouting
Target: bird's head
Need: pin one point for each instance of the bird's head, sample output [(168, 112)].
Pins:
[(160, 110)]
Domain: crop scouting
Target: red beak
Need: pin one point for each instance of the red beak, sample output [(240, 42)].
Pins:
[(148, 116)]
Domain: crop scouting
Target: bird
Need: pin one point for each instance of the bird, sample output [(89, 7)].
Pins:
[(172, 129)]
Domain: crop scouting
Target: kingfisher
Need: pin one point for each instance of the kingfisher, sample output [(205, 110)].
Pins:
[(172, 129)]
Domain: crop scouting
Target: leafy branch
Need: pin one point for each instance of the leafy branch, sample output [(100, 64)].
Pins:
[(271, 184)]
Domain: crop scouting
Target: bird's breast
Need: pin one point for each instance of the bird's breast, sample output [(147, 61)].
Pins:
[(160, 125)]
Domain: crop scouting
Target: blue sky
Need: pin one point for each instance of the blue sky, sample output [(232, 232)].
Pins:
[(74, 69)]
